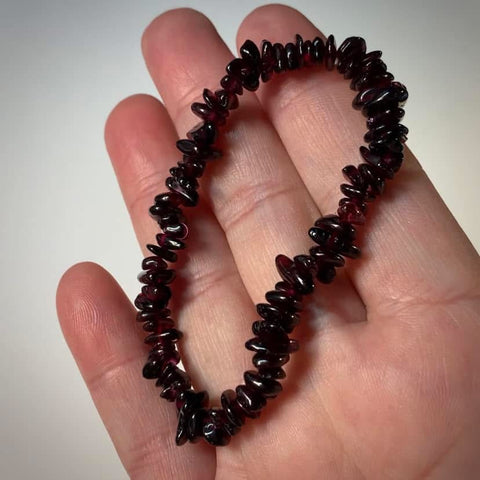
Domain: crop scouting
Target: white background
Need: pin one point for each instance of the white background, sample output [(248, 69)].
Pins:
[(64, 65)]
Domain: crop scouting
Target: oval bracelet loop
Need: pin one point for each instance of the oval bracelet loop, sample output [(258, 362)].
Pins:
[(380, 99)]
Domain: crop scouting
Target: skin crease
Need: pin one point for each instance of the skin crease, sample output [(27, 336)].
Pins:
[(386, 383)]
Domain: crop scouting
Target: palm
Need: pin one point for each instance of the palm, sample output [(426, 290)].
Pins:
[(391, 397)]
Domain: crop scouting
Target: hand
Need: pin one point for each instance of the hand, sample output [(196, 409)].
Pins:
[(386, 383)]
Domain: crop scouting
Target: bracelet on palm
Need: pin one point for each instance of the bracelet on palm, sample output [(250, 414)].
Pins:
[(380, 99)]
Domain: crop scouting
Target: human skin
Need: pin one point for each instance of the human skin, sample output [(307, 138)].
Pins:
[(386, 384)]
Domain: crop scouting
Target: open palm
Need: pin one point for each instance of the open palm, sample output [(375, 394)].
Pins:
[(386, 383)]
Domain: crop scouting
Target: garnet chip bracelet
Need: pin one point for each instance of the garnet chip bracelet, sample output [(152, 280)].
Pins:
[(380, 99)]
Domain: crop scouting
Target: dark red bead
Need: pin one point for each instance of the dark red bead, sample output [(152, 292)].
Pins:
[(326, 258), (171, 392), (173, 381), (350, 212), (190, 196), (292, 56), (154, 263), (204, 133), (299, 48), (244, 71), (280, 58), (179, 230), (376, 183), (147, 305), (382, 132), (380, 99), (306, 53), (268, 61), (350, 53), (287, 320), (207, 114), (163, 215), (351, 173), (152, 369), (214, 428), (227, 100), (195, 424), (171, 243), (162, 252), (268, 387), (154, 277), (266, 326), (330, 52), (288, 289), (188, 402), (251, 401), (168, 200), (300, 278), (158, 326), (249, 51), (153, 316), (171, 335), (232, 84), (318, 49), (234, 413), (352, 47), (388, 118), (262, 360), (351, 191), (274, 373), (272, 343), (381, 168), (283, 300), (368, 80)]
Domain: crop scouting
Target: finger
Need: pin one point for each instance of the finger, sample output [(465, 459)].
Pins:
[(413, 248), (209, 301), (97, 321), (256, 194)]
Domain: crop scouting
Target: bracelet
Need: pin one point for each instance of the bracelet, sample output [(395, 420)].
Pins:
[(380, 100)]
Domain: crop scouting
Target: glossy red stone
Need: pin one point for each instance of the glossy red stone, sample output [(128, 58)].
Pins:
[(232, 84), (171, 243), (153, 316), (249, 51), (350, 52), (274, 373), (376, 183), (375, 160), (251, 401), (300, 278), (280, 56), (158, 326), (177, 230), (196, 421), (318, 49), (388, 118), (262, 360), (283, 300), (207, 114), (292, 56), (204, 133), (268, 387), (268, 61), (234, 412), (188, 402), (214, 428), (330, 52), (190, 195), (171, 335), (350, 212)]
